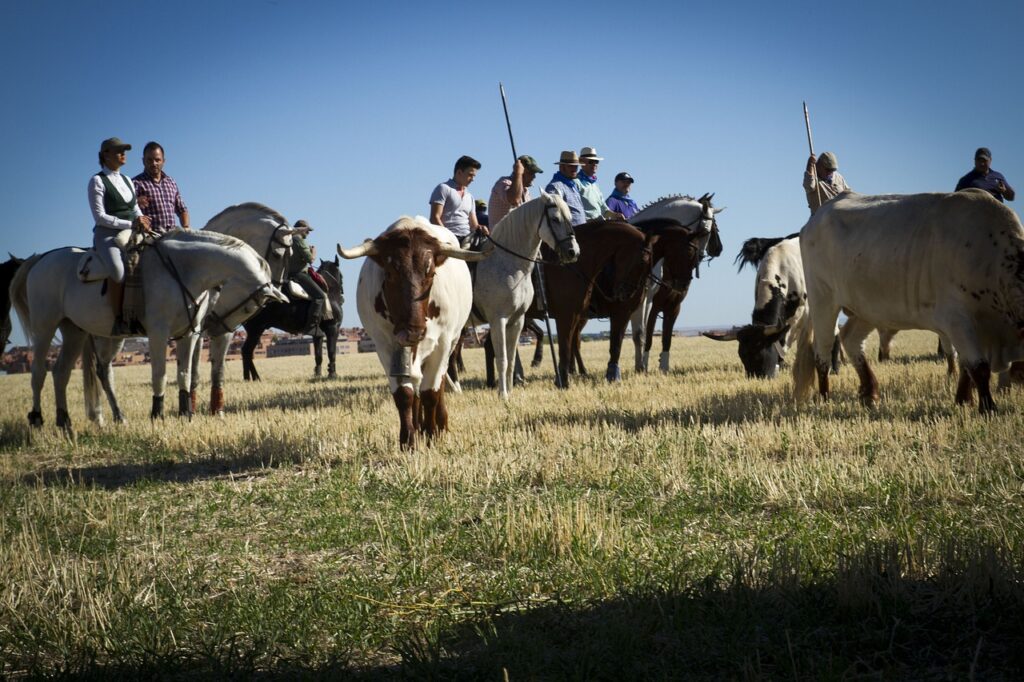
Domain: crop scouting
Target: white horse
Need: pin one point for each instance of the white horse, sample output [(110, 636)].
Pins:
[(697, 214), (503, 290), (178, 271)]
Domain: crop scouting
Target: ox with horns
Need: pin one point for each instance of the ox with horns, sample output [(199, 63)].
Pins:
[(414, 296), (952, 263)]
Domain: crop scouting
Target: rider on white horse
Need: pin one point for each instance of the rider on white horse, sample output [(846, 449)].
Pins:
[(114, 209)]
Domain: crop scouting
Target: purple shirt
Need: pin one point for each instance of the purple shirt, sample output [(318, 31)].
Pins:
[(165, 202), (989, 183), (623, 204)]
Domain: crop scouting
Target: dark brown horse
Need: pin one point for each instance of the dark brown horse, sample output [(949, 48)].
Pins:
[(7, 270), (571, 287), (680, 264)]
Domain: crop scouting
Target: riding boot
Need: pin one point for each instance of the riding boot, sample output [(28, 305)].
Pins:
[(115, 292)]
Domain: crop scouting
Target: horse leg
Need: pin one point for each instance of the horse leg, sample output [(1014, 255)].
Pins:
[(501, 356), (618, 334), (577, 356), (40, 349), (563, 327), (854, 334), (651, 323), (637, 327), (193, 386), (538, 351), (158, 371), (318, 355), (513, 329), (489, 360), (332, 350), (668, 323), (252, 339), (518, 373), (218, 355), (105, 350), (70, 351), (184, 348)]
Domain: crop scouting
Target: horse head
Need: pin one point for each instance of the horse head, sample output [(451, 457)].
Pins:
[(556, 228)]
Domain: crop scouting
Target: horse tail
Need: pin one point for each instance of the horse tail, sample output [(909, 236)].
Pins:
[(804, 366), (90, 378), (19, 294)]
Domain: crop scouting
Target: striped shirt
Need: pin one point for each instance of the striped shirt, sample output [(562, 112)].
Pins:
[(165, 203)]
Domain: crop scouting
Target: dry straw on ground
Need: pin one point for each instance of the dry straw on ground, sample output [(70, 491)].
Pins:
[(696, 521)]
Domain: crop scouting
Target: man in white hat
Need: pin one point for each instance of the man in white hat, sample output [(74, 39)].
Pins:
[(822, 181), (594, 205), (563, 183)]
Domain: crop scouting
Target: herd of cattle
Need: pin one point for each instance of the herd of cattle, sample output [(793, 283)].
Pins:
[(950, 263)]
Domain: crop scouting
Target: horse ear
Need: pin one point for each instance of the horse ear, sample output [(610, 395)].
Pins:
[(336, 261)]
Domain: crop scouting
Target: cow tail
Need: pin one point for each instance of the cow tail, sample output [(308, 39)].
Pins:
[(90, 379), (804, 366), (19, 295)]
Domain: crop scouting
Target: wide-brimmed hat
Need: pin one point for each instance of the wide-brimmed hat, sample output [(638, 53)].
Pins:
[(590, 154), (624, 176), (530, 163), (568, 158), (113, 144)]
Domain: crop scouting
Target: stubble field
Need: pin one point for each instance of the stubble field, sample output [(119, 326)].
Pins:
[(689, 525)]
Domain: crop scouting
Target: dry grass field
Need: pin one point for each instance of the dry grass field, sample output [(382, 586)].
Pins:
[(689, 525)]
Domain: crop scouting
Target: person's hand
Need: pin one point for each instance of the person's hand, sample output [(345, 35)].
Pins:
[(810, 163), (312, 250), (618, 216), (518, 168), (143, 223), (484, 231), (1001, 186), (143, 202)]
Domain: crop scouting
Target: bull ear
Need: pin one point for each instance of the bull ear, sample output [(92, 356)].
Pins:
[(367, 248), (730, 335)]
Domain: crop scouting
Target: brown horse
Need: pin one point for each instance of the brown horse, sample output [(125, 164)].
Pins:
[(571, 287)]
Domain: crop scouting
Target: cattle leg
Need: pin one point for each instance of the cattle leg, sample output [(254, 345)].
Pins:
[(964, 388), (855, 332), (404, 401), (432, 402), (885, 344), (981, 374)]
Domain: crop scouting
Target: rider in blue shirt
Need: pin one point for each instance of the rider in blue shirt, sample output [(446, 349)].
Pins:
[(563, 184)]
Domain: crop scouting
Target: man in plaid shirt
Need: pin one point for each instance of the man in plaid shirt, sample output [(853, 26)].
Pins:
[(158, 193)]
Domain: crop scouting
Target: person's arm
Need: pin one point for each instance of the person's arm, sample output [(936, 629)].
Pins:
[(182, 210), (99, 213), (435, 214), (475, 226), (961, 184), (810, 175), (514, 194), (1006, 190)]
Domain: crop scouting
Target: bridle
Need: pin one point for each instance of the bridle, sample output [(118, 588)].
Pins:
[(219, 319), (548, 208)]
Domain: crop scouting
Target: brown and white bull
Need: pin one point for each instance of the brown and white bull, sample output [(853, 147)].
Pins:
[(951, 263), (414, 296)]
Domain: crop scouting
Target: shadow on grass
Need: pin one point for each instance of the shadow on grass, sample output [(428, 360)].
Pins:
[(872, 617), (318, 395)]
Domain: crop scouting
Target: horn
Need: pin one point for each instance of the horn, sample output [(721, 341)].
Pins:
[(719, 210), (723, 336), (465, 254), (336, 261), (367, 248)]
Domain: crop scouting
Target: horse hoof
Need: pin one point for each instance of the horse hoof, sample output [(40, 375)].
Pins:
[(184, 404), (64, 420), (217, 401), (119, 418), (158, 408), (613, 374), (35, 419), (317, 372), (663, 363), (332, 374)]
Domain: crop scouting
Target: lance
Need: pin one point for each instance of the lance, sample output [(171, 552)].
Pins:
[(810, 145), (538, 266)]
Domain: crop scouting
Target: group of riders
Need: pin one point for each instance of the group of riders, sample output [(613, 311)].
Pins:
[(150, 205)]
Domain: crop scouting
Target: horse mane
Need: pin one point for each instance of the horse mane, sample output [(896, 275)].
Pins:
[(254, 206), (667, 197), (754, 249), (224, 240)]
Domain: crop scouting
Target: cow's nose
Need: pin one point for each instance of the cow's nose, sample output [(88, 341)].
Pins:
[(409, 337)]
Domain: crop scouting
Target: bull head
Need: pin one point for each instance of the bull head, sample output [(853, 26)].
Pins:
[(758, 347)]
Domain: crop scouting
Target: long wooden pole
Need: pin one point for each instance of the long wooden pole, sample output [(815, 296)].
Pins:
[(810, 145), (538, 266)]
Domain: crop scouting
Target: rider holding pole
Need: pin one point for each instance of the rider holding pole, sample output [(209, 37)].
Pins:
[(114, 208)]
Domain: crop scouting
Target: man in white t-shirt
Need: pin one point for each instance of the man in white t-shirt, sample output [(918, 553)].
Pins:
[(451, 204)]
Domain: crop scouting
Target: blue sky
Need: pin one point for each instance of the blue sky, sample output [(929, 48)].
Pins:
[(349, 116)]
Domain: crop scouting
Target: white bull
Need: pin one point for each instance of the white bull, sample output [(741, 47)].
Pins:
[(951, 263), (414, 297)]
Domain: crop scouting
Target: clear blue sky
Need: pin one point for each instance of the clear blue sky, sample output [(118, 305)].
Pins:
[(349, 115)]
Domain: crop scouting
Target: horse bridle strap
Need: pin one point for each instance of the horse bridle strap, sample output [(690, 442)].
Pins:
[(186, 295), (220, 319), (558, 242)]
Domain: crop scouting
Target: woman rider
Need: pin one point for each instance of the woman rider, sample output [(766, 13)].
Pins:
[(113, 205)]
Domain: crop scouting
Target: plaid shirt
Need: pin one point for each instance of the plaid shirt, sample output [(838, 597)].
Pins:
[(165, 202)]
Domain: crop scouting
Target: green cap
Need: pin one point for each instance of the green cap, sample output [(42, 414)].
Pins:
[(113, 143), (530, 164)]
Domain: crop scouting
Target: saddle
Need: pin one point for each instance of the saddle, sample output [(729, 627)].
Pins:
[(91, 267)]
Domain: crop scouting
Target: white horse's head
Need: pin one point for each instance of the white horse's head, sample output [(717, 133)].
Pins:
[(556, 227)]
